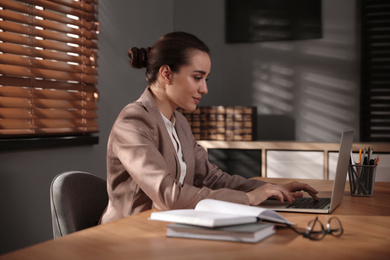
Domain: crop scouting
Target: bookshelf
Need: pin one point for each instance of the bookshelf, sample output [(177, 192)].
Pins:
[(223, 123)]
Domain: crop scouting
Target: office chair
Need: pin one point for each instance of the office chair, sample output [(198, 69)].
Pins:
[(77, 201)]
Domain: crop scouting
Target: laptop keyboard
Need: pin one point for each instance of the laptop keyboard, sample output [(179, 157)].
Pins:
[(309, 203)]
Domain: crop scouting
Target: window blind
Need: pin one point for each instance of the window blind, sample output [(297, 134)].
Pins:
[(48, 67), (375, 87)]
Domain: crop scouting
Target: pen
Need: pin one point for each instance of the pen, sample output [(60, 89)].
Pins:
[(370, 151), (352, 160), (364, 157), (365, 160)]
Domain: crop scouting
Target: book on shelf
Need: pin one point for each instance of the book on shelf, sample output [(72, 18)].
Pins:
[(247, 233), (230, 123), (215, 213)]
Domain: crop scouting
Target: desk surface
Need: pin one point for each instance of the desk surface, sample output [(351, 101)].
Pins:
[(366, 223)]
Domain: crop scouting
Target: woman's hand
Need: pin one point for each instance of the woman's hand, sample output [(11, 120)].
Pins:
[(287, 192), (295, 189)]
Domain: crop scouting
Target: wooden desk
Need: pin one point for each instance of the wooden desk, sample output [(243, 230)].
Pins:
[(366, 222)]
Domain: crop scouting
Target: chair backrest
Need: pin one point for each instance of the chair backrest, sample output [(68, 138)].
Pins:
[(77, 201)]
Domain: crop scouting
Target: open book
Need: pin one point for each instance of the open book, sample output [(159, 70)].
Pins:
[(216, 213)]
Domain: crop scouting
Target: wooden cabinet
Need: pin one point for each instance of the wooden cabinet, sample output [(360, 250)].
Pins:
[(290, 159)]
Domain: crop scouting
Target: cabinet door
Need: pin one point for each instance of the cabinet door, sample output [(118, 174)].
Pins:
[(295, 164), (244, 162)]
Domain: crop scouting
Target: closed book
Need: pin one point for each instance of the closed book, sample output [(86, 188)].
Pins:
[(216, 213), (229, 122), (248, 233)]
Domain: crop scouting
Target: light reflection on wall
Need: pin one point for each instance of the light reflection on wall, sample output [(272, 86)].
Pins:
[(314, 82), (273, 88), (328, 105), (328, 53)]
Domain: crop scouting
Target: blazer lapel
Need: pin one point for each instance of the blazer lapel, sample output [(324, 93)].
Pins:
[(151, 106)]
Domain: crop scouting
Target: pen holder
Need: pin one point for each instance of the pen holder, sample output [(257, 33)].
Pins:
[(362, 179)]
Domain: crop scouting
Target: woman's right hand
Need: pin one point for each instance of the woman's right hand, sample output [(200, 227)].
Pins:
[(266, 191)]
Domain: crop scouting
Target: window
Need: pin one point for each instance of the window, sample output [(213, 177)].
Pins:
[(375, 89), (48, 67)]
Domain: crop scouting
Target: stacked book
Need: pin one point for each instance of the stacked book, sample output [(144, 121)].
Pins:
[(220, 220), (230, 123)]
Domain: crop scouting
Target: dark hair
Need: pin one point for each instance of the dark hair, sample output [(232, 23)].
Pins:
[(173, 49)]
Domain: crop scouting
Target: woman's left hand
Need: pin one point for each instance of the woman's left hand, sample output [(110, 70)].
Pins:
[(296, 187)]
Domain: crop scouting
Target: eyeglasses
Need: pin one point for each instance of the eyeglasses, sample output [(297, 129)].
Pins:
[(315, 229)]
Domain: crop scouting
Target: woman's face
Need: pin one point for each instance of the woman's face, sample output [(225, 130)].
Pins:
[(188, 85)]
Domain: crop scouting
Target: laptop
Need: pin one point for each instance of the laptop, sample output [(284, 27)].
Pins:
[(324, 205)]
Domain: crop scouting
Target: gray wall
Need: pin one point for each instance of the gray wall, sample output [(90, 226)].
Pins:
[(305, 91), (25, 176)]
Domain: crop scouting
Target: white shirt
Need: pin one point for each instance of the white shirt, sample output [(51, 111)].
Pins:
[(176, 143)]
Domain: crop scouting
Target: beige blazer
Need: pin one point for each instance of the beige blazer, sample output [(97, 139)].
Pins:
[(143, 170)]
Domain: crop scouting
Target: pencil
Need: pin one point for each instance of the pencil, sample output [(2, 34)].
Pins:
[(377, 160)]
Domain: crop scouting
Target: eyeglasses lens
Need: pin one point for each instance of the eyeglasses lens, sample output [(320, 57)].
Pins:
[(334, 227), (315, 230)]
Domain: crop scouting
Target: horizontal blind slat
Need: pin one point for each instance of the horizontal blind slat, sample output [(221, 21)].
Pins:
[(13, 102), (23, 92), (13, 70), (47, 44), (24, 113), (46, 123), (61, 113), (62, 9), (15, 113), (48, 34), (16, 132), (36, 22), (24, 132), (45, 54), (81, 5), (14, 91), (80, 130), (60, 123), (18, 60), (46, 14), (63, 95), (16, 124), (48, 103), (46, 84)]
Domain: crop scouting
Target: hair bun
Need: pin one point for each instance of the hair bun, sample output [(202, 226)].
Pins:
[(138, 57)]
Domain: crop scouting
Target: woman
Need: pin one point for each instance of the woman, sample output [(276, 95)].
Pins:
[(153, 159)]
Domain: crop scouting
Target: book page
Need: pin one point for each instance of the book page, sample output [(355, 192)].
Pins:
[(240, 209), (201, 218)]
